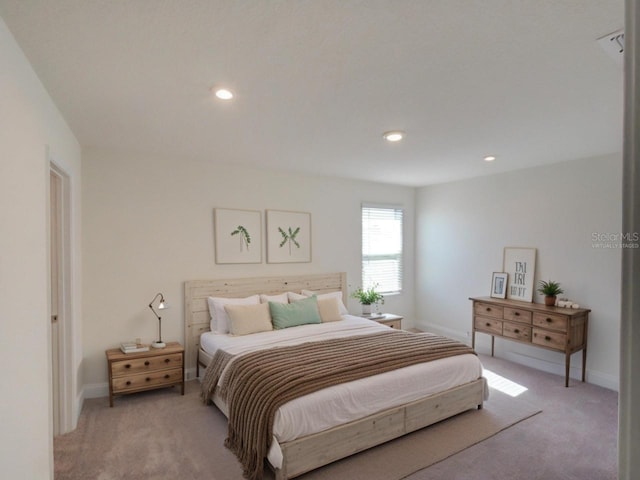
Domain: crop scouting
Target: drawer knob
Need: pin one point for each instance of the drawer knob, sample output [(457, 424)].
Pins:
[(127, 366), (166, 376), (488, 309), (547, 338), (488, 324), (147, 379), (549, 320), (146, 363), (517, 330), (517, 314), (166, 360), (128, 382)]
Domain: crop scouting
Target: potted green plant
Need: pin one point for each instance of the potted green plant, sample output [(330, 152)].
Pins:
[(368, 297), (550, 290)]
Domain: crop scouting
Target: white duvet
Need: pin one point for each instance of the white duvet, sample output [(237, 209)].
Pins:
[(346, 402)]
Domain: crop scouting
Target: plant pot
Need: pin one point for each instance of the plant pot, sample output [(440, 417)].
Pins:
[(366, 309), (550, 301)]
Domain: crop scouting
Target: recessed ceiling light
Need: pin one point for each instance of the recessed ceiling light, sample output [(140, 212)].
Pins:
[(489, 158), (224, 94), (394, 136)]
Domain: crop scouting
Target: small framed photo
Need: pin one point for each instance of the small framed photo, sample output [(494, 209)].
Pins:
[(499, 285)]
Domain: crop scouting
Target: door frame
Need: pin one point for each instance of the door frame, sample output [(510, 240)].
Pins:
[(65, 325)]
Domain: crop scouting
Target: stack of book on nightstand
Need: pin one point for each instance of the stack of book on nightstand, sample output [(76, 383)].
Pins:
[(132, 347)]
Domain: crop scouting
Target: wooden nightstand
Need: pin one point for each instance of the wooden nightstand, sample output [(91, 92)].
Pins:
[(391, 320), (136, 372)]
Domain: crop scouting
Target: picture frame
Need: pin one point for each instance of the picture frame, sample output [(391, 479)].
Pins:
[(237, 235), (520, 265), (288, 236), (499, 284)]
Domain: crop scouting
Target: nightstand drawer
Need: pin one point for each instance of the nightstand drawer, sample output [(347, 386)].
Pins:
[(517, 315), (549, 339), (138, 365), (489, 325), (144, 380), (516, 330), (550, 320), (487, 310)]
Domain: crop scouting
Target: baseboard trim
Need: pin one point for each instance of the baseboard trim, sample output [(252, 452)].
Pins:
[(96, 390)]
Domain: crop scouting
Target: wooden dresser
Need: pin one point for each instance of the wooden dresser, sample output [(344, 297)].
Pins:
[(136, 372), (554, 328)]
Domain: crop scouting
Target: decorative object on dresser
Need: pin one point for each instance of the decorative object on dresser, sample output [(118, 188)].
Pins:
[(368, 297), (520, 264), (288, 236), (558, 329), (136, 372), (161, 306), (133, 347), (238, 235), (550, 290), (499, 284)]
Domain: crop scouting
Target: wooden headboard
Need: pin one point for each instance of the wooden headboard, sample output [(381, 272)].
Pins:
[(196, 310)]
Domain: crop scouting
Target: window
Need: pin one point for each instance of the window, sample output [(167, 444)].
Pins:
[(382, 248)]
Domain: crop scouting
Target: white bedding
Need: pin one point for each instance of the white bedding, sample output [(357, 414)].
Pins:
[(348, 401)]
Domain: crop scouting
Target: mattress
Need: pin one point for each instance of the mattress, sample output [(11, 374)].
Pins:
[(350, 401)]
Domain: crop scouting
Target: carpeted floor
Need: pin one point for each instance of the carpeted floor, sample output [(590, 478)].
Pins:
[(162, 435)]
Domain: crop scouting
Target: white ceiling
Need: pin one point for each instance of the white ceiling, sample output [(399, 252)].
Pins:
[(318, 82)]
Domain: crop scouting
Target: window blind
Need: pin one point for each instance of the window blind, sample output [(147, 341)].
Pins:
[(382, 248)]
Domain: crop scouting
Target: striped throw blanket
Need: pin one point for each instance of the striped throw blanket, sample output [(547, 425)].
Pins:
[(258, 383)]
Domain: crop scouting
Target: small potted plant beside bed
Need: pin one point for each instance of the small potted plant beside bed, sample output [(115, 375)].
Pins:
[(367, 298), (550, 290)]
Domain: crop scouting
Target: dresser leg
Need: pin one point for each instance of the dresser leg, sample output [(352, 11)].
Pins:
[(493, 341), (584, 362), (567, 364)]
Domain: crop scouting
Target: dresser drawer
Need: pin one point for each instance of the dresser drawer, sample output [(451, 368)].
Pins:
[(489, 325), (550, 320), (487, 310), (550, 339), (140, 365), (144, 380), (517, 315), (517, 331)]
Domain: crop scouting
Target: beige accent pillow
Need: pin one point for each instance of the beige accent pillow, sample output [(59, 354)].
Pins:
[(329, 311), (336, 295), (246, 319), (219, 318)]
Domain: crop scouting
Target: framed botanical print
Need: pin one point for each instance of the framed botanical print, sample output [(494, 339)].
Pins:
[(238, 235), (288, 236), (499, 284), (520, 264)]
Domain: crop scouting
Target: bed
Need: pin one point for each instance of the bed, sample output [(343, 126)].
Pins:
[(300, 443)]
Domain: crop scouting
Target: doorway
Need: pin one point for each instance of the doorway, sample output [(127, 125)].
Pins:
[(60, 267)]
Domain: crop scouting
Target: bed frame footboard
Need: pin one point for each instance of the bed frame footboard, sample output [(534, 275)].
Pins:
[(313, 451)]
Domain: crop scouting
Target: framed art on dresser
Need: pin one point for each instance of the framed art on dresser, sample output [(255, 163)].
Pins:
[(499, 284), (520, 264)]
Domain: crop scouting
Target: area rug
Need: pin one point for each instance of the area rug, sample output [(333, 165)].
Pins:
[(162, 435)]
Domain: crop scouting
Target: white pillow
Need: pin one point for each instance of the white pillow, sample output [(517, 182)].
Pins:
[(219, 318), (281, 298), (246, 319), (294, 297), (338, 295)]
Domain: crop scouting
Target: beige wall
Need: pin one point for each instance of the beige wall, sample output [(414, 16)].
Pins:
[(462, 227), (29, 123), (148, 227)]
